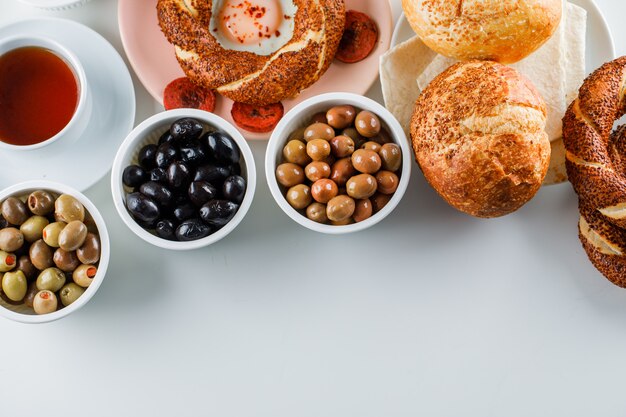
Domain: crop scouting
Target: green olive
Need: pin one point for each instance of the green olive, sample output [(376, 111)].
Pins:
[(40, 203), (11, 239), (68, 209), (70, 293), (51, 279), (299, 196), (30, 294), (295, 152), (361, 186), (7, 261), (89, 253), (73, 236), (14, 211), (14, 285), (289, 174), (32, 229), (84, 274), (51, 233), (40, 255), (65, 261), (25, 265), (45, 302)]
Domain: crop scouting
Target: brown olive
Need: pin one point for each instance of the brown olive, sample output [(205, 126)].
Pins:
[(73, 236), (11, 239), (387, 182), (65, 261), (92, 227), (14, 211), (391, 157), (40, 203), (361, 186), (299, 196), (84, 275), (89, 253), (330, 160), (318, 118), (317, 170), (371, 146), (295, 152), (51, 279), (45, 302), (324, 190), (379, 201), (383, 137), (32, 229), (289, 174), (51, 233), (341, 117), (341, 171), (297, 134), (318, 149), (354, 135), (41, 255), (30, 294), (342, 146), (317, 212), (343, 222), (319, 131), (363, 210), (367, 162), (340, 208), (367, 124), (68, 208), (25, 265), (70, 293)]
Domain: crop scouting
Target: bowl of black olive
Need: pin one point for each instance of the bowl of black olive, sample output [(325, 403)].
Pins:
[(183, 179)]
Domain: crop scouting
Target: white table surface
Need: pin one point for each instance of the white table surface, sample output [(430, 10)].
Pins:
[(430, 313)]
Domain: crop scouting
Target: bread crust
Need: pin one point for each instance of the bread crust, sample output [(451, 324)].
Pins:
[(478, 136), (505, 31), (596, 167), (245, 76)]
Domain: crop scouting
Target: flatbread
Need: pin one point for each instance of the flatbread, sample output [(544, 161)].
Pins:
[(399, 68)]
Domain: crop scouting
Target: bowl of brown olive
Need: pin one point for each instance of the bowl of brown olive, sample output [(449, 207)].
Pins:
[(338, 163), (54, 251), (183, 179)]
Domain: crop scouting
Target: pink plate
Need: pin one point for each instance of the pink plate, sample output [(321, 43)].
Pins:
[(153, 59)]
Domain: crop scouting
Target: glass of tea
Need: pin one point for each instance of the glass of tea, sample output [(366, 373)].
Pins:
[(44, 95)]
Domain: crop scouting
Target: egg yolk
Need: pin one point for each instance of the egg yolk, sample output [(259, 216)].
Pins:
[(250, 21)]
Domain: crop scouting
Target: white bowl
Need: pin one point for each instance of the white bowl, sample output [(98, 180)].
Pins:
[(25, 314), (298, 117), (149, 131), (82, 113)]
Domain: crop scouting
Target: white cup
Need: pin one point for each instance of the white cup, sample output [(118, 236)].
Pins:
[(82, 113)]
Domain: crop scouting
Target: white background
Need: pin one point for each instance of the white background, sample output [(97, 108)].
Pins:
[(430, 313)]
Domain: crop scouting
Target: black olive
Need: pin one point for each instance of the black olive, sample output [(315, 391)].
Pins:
[(166, 229), (201, 192), (235, 169), (157, 192), (192, 154), (181, 198), (218, 212), (142, 208), (221, 148), (234, 188), (184, 212), (192, 229), (134, 176), (158, 175), (147, 156), (178, 175), (214, 174), (186, 129), (166, 138), (165, 155)]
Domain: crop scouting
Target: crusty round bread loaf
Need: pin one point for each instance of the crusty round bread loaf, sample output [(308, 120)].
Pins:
[(478, 132), (505, 31), (596, 167)]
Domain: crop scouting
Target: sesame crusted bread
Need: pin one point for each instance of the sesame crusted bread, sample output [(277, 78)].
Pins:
[(596, 167), (245, 76), (500, 30), (478, 132)]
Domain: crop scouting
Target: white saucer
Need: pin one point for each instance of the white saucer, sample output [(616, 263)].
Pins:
[(600, 45), (80, 163), (54, 4)]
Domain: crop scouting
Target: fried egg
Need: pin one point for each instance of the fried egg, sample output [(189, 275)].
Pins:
[(258, 26)]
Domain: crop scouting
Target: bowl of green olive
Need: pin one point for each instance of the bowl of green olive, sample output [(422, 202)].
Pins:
[(338, 163), (54, 251)]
